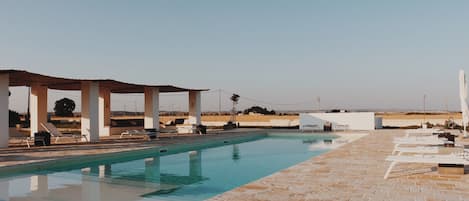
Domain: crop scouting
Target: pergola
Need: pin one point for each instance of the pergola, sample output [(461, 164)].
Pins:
[(95, 101)]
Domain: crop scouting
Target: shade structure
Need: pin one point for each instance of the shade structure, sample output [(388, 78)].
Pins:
[(95, 100), (25, 78), (463, 99)]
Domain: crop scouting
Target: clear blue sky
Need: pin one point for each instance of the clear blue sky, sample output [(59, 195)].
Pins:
[(353, 54)]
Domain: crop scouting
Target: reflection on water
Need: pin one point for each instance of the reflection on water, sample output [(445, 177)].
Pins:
[(328, 144), (98, 183), (309, 141), (235, 154), (193, 175)]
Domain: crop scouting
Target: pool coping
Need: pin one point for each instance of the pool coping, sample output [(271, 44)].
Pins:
[(84, 160)]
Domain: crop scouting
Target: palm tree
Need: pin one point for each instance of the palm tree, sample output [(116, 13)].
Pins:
[(235, 99)]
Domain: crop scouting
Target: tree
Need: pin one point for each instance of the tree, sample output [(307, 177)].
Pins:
[(14, 118), (235, 99), (258, 110), (64, 107)]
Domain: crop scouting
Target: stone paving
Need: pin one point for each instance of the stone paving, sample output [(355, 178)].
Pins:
[(355, 172)]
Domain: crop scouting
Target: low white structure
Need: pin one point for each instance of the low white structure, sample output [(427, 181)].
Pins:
[(338, 121)]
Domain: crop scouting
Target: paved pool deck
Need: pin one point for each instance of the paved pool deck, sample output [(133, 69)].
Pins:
[(355, 172)]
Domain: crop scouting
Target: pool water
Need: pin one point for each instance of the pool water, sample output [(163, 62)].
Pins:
[(194, 175)]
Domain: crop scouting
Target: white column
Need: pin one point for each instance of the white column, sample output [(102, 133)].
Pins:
[(104, 112), (4, 113), (195, 109), (195, 163), (38, 107), (152, 110), (90, 110)]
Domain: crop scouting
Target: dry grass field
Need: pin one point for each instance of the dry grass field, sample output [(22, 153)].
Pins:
[(266, 118), (403, 115), (243, 118)]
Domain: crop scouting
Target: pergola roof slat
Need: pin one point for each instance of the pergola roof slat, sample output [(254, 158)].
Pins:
[(25, 78)]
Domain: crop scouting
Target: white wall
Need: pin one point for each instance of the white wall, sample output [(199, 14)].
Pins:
[(350, 120)]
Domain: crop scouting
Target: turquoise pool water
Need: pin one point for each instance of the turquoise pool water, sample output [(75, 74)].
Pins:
[(190, 175)]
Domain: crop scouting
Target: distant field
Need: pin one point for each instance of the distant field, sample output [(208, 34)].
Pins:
[(453, 115), (266, 118)]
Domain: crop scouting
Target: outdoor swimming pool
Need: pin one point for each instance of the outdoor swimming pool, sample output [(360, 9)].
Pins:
[(188, 175)]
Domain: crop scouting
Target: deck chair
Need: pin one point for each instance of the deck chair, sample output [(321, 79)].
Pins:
[(454, 158), (417, 150), (421, 131), (28, 140), (148, 133), (309, 127), (342, 127), (430, 140), (57, 134)]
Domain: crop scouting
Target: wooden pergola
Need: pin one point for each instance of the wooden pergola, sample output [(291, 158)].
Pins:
[(95, 101)]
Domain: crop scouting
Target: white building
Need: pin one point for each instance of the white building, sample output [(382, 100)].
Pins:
[(338, 121)]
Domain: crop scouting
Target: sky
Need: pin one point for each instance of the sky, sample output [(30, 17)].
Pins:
[(282, 55)]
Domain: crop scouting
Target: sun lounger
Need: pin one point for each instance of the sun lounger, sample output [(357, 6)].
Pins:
[(431, 140), (309, 127), (54, 132), (149, 133), (422, 131), (417, 138), (186, 128), (23, 138), (168, 129), (28, 140), (341, 127), (457, 159), (418, 150)]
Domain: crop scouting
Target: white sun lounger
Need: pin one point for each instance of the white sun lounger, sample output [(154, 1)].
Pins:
[(421, 131), (309, 127), (342, 127), (418, 150), (146, 132), (432, 159), (417, 138), (57, 134), (427, 140)]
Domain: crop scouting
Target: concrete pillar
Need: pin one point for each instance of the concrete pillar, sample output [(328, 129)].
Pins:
[(152, 110), (90, 110), (38, 108), (4, 114), (152, 169), (195, 109), (195, 163), (104, 112)]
